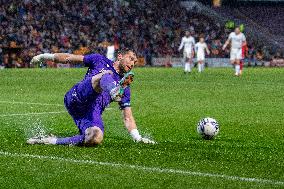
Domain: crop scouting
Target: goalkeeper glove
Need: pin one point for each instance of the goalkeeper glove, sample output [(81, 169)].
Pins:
[(138, 138)]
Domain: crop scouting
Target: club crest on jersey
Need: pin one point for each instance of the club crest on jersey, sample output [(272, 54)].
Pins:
[(102, 70)]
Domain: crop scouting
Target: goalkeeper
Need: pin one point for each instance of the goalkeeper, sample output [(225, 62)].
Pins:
[(104, 82)]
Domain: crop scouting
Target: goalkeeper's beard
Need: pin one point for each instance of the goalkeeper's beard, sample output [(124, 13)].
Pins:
[(121, 67)]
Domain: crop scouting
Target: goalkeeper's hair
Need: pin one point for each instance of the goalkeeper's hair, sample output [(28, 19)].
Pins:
[(124, 51)]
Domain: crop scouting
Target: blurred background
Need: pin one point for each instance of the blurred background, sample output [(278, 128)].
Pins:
[(152, 28)]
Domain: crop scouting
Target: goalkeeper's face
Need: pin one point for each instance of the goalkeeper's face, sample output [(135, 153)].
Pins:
[(127, 61)]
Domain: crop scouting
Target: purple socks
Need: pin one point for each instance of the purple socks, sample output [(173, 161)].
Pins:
[(75, 140)]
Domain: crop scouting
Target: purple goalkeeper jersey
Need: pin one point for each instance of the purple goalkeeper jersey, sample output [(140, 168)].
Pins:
[(81, 98)]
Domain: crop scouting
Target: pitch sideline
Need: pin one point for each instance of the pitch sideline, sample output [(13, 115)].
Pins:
[(148, 169)]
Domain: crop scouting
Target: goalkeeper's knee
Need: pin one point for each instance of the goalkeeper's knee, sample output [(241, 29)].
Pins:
[(93, 136)]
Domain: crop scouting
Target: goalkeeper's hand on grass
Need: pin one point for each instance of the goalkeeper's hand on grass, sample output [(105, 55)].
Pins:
[(139, 139), (146, 141)]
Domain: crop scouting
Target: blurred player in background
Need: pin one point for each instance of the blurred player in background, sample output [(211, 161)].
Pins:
[(105, 82), (237, 40), (200, 48), (187, 43), (244, 55)]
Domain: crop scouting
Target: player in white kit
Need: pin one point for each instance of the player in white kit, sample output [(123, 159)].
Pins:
[(200, 48), (187, 43), (237, 39)]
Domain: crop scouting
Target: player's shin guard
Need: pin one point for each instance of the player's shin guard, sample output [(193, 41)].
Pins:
[(75, 140)]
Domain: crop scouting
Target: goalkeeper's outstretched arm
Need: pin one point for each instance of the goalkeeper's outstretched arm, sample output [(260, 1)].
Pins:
[(58, 58), (130, 125)]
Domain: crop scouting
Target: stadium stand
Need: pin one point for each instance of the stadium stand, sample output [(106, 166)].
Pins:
[(32, 27), (271, 19)]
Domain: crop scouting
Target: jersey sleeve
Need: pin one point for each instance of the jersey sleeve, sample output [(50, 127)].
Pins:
[(230, 36), (91, 59), (125, 101)]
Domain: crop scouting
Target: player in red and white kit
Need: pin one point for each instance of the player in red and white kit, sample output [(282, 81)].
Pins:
[(237, 40), (244, 52)]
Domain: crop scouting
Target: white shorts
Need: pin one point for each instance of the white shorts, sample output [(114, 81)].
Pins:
[(236, 54), (200, 57), (187, 53)]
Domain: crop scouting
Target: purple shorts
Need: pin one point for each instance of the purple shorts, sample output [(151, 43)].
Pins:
[(88, 121), (84, 108)]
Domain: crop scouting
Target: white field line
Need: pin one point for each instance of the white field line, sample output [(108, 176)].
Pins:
[(142, 168), (31, 103), (35, 103), (32, 113)]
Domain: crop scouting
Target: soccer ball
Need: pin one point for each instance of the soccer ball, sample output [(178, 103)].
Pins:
[(208, 128)]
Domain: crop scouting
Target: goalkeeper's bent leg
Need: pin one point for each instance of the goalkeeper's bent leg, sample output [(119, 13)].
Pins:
[(92, 136), (75, 140)]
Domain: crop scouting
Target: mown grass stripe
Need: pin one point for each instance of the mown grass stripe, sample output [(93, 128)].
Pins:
[(30, 103), (31, 113), (143, 168)]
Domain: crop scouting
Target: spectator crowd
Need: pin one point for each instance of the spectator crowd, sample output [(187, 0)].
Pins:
[(152, 28)]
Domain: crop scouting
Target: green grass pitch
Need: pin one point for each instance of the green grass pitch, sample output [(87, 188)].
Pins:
[(247, 153)]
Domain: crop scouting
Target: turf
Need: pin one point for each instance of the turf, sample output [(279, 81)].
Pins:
[(167, 106)]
